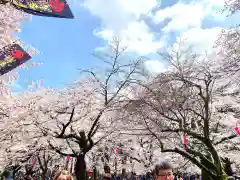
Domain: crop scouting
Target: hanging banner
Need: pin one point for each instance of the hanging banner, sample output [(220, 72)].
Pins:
[(115, 151), (236, 131), (184, 140), (48, 8), (67, 163), (68, 158), (34, 163), (11, 57)]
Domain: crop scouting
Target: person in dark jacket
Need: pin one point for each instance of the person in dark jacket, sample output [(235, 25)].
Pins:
[(124, 174), (107, 173), (148, 176)]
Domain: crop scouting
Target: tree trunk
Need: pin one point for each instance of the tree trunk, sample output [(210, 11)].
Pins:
[(43, 175), (80, 167), (206, 176)]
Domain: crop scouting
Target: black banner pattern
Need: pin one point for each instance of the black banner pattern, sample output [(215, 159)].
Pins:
[(49, 8), (11, 57)]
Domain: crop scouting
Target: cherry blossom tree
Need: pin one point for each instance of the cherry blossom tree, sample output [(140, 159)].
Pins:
[(184, 102), (12, 109), (78, 118), (227, 45), (20, 137), (227, 52), (46, 160), (232, 6), (227, 49)]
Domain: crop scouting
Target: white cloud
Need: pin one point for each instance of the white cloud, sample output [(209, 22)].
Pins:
[(155, 66), (185, 16), (106, 34), (121, 18), (137, 36), (182, 16), (140, 38), (116, 14), (201, 39), (138, 7), (188, 18), (215, 3), (111, 14), (213, 9)]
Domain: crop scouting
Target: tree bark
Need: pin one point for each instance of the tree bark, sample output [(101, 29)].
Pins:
[(44, 175), (80, 167), (206, 176)]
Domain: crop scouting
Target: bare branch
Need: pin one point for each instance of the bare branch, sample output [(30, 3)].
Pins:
[(224, 139), (66, 125), (59, 151)]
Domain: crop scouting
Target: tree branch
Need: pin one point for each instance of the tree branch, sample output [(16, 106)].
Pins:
[(66, 125), (59, 151), (224, 139), (192, 159), (191, 133), (95, 123)]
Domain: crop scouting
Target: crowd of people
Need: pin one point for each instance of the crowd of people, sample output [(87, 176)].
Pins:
[(162, 171)]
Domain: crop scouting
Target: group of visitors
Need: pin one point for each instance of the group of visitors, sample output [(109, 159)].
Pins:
[(162, 171)]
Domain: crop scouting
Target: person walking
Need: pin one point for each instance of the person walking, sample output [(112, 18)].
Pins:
[(124, 174), (148, 176), (107, 173)]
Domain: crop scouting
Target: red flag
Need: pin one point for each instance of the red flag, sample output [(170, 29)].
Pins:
[(67, 158), (236, 131), (34, 162), (184, 140), (116, 150)]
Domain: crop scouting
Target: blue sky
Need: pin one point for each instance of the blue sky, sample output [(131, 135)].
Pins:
[(64, 45), (144, 25)]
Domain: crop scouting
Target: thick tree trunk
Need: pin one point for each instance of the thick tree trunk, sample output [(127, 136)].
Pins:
[(43, 175), (206, 176), (80, 167)]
